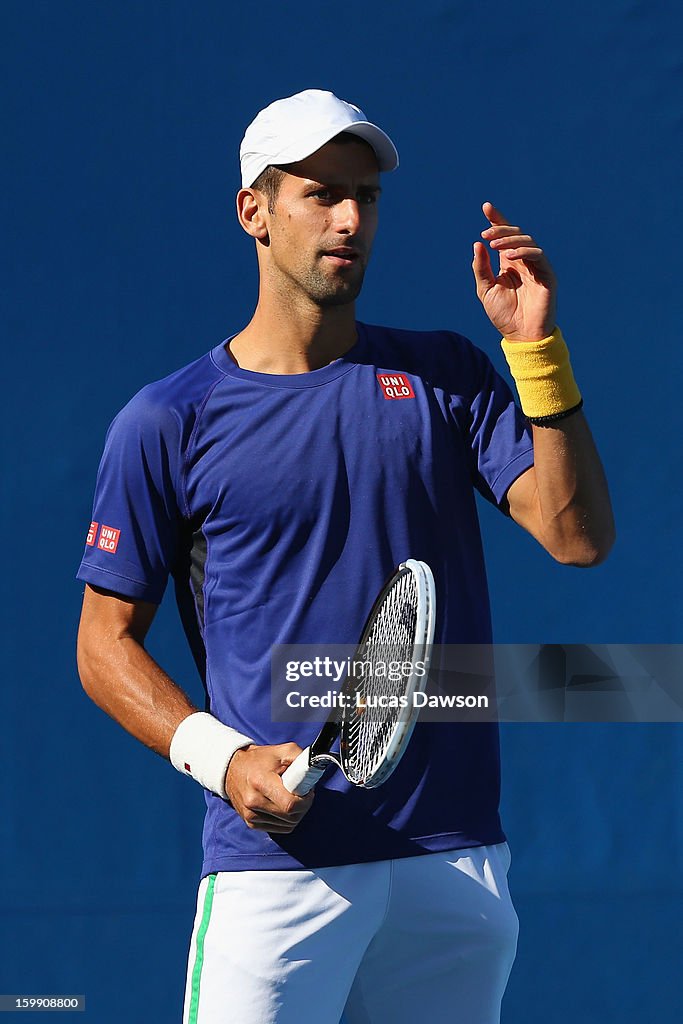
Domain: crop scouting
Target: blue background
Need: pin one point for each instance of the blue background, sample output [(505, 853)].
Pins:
[(123, 261)]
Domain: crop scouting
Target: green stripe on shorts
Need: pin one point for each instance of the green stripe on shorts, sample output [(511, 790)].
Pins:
[(199, 959)]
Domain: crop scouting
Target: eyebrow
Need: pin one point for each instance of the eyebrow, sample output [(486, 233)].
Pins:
[(340, 184)]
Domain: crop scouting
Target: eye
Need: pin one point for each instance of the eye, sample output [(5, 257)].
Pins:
[(322, 193), (367, 198)]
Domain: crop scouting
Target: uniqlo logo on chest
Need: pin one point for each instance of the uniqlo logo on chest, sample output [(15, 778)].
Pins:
[(109, 539), (395, 385)]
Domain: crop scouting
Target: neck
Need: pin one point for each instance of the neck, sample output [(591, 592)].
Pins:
[(294, 337)]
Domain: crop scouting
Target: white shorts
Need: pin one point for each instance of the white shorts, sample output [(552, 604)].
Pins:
[(428, 938)]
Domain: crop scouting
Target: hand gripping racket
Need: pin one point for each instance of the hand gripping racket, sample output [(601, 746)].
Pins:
[(376, 712)]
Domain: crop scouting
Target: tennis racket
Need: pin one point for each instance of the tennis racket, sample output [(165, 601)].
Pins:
[(376, 714)]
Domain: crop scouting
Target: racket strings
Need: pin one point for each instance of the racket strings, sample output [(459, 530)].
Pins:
[(382, 672)]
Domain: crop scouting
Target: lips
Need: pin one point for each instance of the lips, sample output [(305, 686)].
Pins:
[(342, 255)]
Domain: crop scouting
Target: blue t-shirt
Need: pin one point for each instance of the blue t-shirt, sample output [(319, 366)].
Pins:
[(279, 505)]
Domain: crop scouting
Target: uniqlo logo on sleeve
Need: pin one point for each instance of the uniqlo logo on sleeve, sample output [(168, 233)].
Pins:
[(395, 385), (92, 533), (109, 539)]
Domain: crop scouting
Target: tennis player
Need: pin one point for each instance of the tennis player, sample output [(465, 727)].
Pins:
[(279, 479)]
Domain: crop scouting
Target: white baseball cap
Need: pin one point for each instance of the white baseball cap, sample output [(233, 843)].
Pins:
[(292, 128)]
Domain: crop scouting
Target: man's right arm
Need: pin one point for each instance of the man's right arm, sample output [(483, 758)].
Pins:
[(120, 676)]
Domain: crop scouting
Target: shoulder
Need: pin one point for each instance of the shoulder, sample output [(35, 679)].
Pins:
[(169, 408), (445, 356)]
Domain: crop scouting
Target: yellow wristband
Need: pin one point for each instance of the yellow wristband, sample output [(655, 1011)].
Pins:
[(543, 375)]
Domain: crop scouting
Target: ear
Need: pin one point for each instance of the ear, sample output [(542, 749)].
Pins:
[(252, 213)]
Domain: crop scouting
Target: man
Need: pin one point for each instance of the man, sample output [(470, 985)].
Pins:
[(280, 483)]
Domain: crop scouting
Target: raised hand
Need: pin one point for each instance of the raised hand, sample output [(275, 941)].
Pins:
[(520, 300)]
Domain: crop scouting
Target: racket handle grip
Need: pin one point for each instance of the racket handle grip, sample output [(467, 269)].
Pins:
[(300, 777)]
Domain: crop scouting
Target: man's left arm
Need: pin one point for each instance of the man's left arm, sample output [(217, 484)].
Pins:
[(563, 499)]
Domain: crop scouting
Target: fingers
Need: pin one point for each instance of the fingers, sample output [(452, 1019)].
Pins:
[(268, 816), (504, 233), (255, 789), (483, 272), (493, 214), (533, 255), (509, 239), (518, 247), (260, 820)]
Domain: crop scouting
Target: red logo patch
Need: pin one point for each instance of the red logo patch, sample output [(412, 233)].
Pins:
[(92, 533), (395, 385), (109, 539)]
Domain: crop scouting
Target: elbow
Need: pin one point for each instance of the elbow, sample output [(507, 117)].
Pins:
[(90, 666), (584, 559), (84, 664), (586, 552), (603, 550)]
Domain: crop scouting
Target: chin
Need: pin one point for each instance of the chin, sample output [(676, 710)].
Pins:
[(342, 295), (340, 299)]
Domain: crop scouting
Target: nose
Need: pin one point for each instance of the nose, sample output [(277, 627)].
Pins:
[(347, 217)]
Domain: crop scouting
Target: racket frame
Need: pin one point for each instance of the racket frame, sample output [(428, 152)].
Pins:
[(310, 765)]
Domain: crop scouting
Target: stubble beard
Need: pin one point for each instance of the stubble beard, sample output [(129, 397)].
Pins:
[(326, 291)]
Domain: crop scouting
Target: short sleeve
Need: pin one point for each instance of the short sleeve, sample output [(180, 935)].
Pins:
[(133, 537), (499, 435)]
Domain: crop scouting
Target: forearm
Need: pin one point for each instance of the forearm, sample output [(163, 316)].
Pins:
[(573, 508), (120, 676), (122, 679)]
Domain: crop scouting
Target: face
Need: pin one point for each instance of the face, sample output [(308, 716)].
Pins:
[(323, 225)]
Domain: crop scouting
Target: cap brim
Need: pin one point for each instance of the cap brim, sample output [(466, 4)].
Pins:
[(385, 150)]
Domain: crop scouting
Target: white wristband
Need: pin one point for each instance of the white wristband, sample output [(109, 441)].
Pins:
[(202, 747)]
